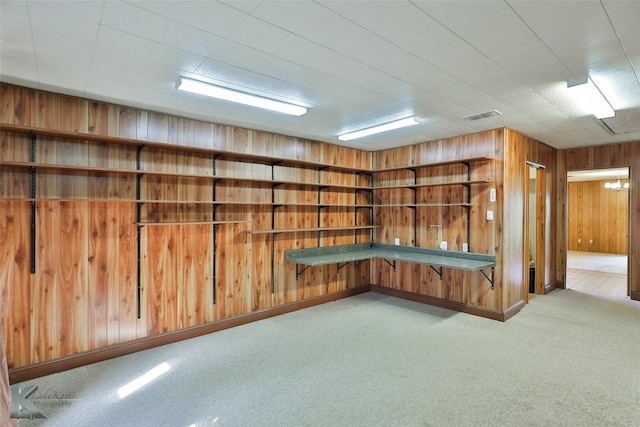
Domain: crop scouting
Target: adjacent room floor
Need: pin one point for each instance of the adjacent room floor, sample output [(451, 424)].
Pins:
[(597, 273)]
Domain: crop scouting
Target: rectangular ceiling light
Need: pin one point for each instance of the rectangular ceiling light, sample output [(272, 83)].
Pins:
[(588, 94), (407, 121), (219, 92)]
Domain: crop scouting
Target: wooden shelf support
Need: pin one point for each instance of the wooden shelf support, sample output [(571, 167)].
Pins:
[(491, 280), (438, 271), (32, 252)]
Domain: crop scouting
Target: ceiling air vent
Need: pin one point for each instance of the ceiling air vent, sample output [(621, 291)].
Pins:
[(482, 115)]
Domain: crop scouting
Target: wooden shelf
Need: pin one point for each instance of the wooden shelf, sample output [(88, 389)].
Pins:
[(447, 163), (222, 154), (67, 200), (76, 168), (437, 184), (185, 202), (216, 178), (219, 154), (419, 205), (142, 224), (313, 229)]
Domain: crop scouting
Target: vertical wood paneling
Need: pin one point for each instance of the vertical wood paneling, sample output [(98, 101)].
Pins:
[(512, 221), (599, 215), (44, 303), (15, 281), (7, 104), (72, 278)]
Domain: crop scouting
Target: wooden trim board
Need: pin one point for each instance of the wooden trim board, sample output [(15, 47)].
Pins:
[(451, 305)]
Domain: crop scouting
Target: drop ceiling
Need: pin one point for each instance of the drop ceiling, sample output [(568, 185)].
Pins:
[(354, 64)]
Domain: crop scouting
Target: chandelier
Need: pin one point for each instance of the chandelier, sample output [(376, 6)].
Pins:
[(616, 186)]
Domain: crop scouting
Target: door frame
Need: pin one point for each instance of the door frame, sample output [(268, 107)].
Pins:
[(629, 223), (540, 261)]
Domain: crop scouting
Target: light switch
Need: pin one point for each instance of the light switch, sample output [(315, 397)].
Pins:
[(396, 241), (489, 215), (443, 246), (492, 195)]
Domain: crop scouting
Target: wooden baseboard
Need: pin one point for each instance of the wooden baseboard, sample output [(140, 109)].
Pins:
[(551, 286), (635, 295), (512, 311), (451, 305), (36, 370)]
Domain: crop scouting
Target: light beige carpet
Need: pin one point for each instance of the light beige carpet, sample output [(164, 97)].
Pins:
[(567, 359)]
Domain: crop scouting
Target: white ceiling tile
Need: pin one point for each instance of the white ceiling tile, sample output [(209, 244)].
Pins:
[(209, 16), (624, 16), (62, 61), (308, 20), (87, 10), (17, 57), (53, 21), (148, 50), (353, 62), (143, 23)]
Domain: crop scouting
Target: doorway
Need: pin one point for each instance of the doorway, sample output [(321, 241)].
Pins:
[(535, 230), (598, 231)]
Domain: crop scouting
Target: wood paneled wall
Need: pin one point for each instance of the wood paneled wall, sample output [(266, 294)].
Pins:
[(598, 219), (83, 294), (87, 299), (436, 224), (606, 156)]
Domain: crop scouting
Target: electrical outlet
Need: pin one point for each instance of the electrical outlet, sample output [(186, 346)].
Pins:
[(579, 240), (396, 241), (591, 241), (465, 247), (492, 195), (489, 215), (443, 245)]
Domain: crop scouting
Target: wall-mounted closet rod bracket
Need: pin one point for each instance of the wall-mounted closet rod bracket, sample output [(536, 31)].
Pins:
[(487, 277)]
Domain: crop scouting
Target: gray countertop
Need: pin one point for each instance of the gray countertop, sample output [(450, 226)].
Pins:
[(347, 253)]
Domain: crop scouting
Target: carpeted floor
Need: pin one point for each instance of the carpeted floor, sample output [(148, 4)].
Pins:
[(567, 359)]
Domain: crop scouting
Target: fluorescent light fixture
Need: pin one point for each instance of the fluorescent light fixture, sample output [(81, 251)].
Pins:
[(588, 94), (226, 94), (407, 121), (143, 380)]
